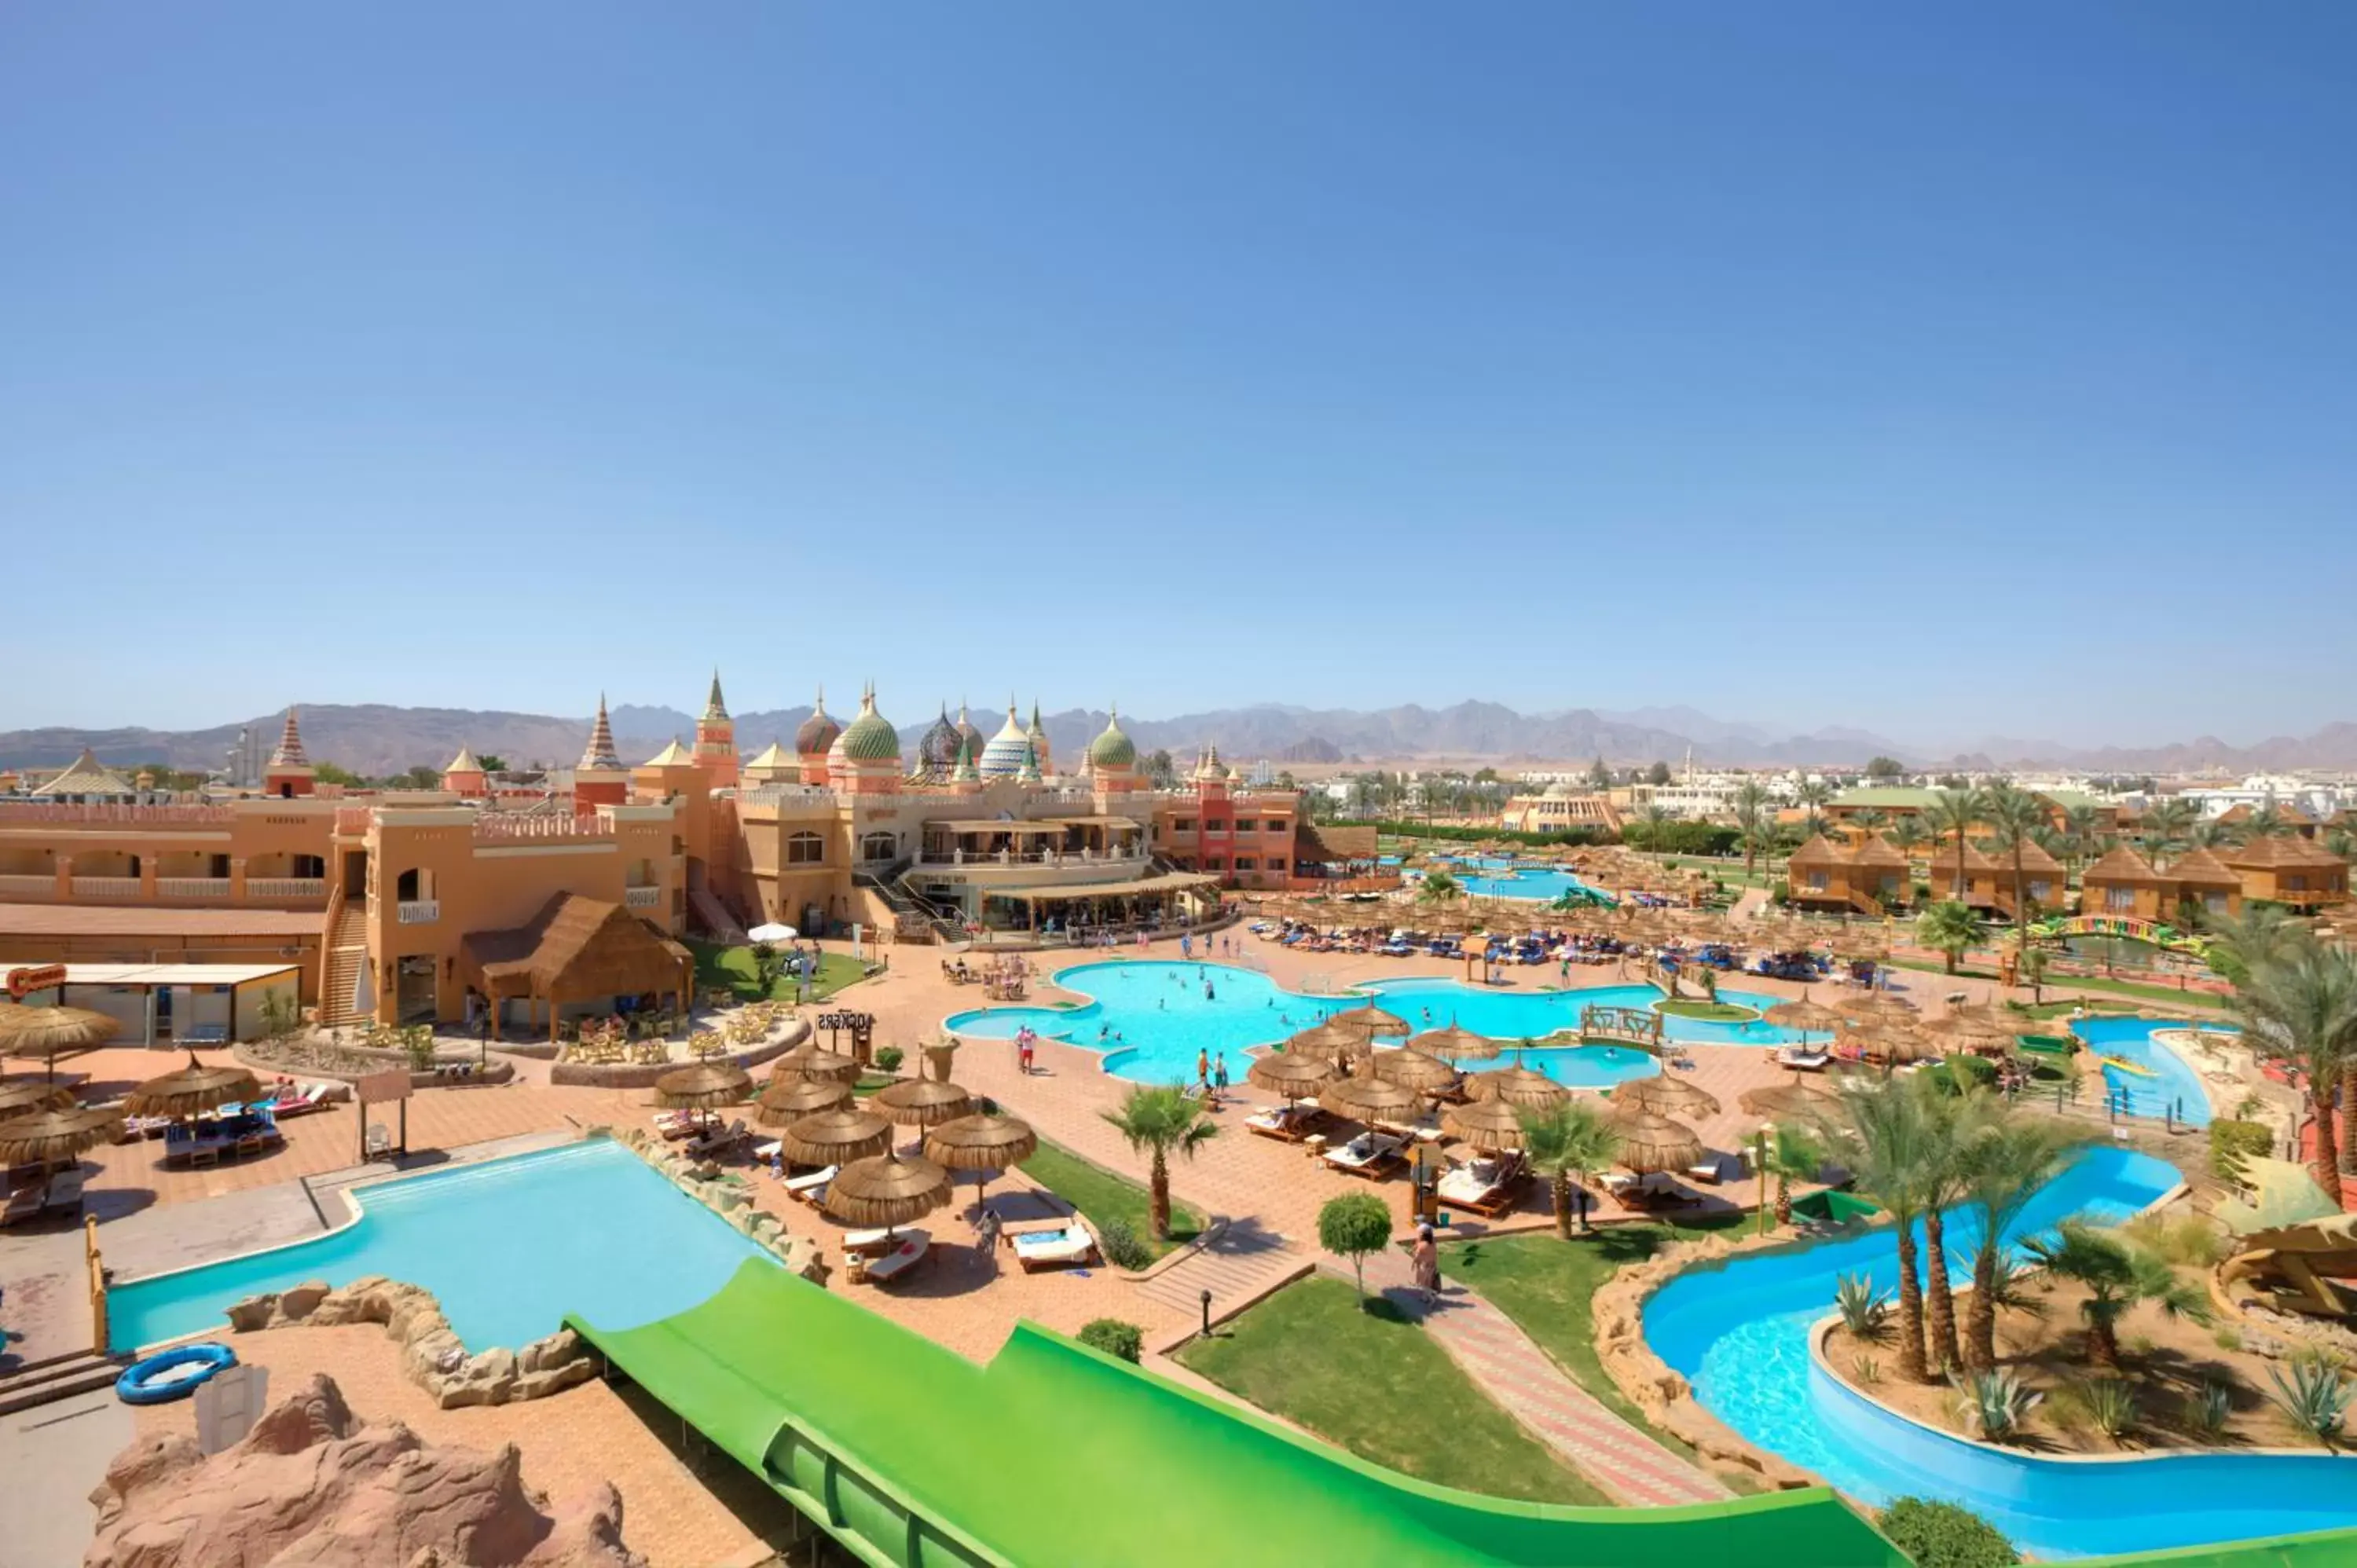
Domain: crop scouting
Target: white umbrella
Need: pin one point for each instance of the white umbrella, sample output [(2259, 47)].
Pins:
[(773, 932)]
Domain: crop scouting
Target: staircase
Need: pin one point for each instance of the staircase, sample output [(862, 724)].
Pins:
[(715, 918), (1866, 903), (914, 918), (347, 961), (1236, 1267), (57, 1377)]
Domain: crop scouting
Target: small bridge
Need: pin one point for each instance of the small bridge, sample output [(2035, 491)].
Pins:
[(1621, 1027), (2127, 927)]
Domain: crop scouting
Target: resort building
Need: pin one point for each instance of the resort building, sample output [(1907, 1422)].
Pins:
[(1867, 876), (2124, 883), (1559, 808), (1987, 878), (2288, 870)]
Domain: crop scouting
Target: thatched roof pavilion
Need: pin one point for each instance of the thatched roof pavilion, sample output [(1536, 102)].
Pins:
[(577, 949)]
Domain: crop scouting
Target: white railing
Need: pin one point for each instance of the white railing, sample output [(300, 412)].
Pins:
[(641, 897), (192, 887), (19, 884), (521, 825), (286, 887), (131, 816), (106, 887), (420, 911), (1027, 858)]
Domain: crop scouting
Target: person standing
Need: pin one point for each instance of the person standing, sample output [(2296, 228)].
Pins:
[(1424, 1262)]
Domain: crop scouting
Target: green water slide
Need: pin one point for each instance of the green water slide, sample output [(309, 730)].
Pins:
[(908, 1454)]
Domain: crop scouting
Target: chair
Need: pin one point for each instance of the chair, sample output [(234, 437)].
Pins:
[(64, 1190), (810, 1189), (913, 1249), (714, 1142), (1368, 1155), (379, 1142)]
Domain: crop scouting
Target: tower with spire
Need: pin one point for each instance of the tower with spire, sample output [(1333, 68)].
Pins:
[(716, 740), (1037, 736), (599, 778), (289, 772), (464, 777)]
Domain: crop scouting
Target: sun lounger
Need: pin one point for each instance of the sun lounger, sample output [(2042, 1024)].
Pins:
[(716, 1140), (24, 1204), (1708, 1170), (64, 1190), (1037, 1249), (1288, 1123), (1368, 1155), (810, 1189), (909, 1251), (1801, 1060), (878, 1240), (1486, 1188)]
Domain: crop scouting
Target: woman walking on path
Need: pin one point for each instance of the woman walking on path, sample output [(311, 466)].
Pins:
[(1424, 1262)]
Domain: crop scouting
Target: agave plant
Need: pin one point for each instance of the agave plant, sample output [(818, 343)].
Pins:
[(2315, 1398), (1994, 1405), (2110, 1403), (2207, 1409), (1862, 1306)]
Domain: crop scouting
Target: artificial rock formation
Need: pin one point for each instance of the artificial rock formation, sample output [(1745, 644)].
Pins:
[(431, 1355), (312, 1485)]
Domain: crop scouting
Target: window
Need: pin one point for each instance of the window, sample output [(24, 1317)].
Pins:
[(1816, 882), (1276, 863), (1245, 863), (2216, 903), (2043, 892), (880, 846), (2119, 900), (805, 849), (2296, 883), (1246, 825), (1216, 863), (1183, 825)]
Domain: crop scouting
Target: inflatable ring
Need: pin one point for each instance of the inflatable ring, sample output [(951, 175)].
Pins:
[(171, 1374)]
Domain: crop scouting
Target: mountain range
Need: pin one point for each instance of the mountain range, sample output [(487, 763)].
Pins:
[(374, 739)]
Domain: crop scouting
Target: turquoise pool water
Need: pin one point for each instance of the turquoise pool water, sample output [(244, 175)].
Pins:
[(1151, 1018), (509, 1246), (2172, 1082), (1496, 877), (1738, 1332)]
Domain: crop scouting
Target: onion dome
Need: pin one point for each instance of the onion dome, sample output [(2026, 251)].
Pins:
[(599, 755), (1003, 757), (869, 737), (1113, 748), (819, 731), (937, 749), (967, 732)]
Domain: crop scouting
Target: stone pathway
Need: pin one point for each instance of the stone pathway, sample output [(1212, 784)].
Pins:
[(1509, 1368), (1239, 1265)]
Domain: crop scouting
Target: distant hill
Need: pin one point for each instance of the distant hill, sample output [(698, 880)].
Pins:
[(376, 740)]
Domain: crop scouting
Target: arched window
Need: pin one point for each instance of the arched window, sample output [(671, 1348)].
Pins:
[(411, 885), (880, 846), (808, 849)]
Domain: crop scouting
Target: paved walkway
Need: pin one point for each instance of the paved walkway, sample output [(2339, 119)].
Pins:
[(1509, 1368), (1239, 1265)]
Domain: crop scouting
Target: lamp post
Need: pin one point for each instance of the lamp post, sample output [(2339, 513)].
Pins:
[(1207, 1314), (1760, 1162)]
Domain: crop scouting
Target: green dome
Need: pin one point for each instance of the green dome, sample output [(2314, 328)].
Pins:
[(870, 737), (1113, 748)]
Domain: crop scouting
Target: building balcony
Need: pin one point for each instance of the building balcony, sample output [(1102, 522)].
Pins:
[(1030, 857), (643, 897), (106, 887), (192, 887), (418, 911), (23, 886), (285, 889)]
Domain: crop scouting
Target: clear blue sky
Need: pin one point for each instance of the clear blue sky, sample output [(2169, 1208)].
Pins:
[(1342, 354)]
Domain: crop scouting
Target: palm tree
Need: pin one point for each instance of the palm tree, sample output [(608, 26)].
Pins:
[(1872, 820), (1813, 797), (2080, 825), (2115, 1277), (2259, 937), (1571, 1138), (1906, 834), (1656, 820), (2304, 1007), (1794, 1153), (2210, 834), (1951, 1124), (2164, 824), (1951, 930), (2341, 842), (2267, 823), (1438, 887), (1750, 803), (1955, 813), (1160, 1119), (2012, 1158), (1887, 1145), (2013, 814)]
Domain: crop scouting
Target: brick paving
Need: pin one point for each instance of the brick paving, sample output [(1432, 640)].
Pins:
[(1238, 1266)]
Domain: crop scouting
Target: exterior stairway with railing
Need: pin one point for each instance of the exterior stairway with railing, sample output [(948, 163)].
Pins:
[(347, 960), (915, 918), (714, 917)]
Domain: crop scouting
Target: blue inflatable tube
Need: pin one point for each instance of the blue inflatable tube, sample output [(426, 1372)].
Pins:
[(171, 1374)]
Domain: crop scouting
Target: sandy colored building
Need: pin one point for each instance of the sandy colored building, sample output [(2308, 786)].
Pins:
[(1558, 809), (2289, 870), (1867, 876)]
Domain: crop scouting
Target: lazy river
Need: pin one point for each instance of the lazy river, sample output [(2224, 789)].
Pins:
[(1151, 1019), (1739, 1331)]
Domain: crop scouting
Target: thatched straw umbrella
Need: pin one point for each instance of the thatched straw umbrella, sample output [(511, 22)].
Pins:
[(1797, 1096), (1804, 1015), (834, 1137), (983, 1144), (1296, 1075), (50, 1137), (44, 1034), (887, 1190), (1332, 1041), (1969, 1029), (1875, 1005), (1520, 1086), (1650, 1144), (922, 1102), (24, 1098), (1454, 1043), (1367, 1100), (1487, 1124), (810, 1059), (1665, 1095), (1370, 1020), (1413, 1071), (789, 1100), (704, 1086), (193, 1089), (1894, 1043)]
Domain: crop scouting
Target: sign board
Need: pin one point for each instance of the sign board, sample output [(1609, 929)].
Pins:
[(23, 982), (378, 1088), (229, 1404)]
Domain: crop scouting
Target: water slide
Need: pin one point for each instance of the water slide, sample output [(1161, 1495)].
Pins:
[(909, 1455)]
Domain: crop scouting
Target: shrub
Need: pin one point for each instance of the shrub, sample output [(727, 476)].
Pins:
[(1993, 1404), (1121, 1246), (889, 1058), (2109, 1403), (1862, 1306), (1977, 1072), (2189, 1239), (2206, 1412), (2231, 1142), (2313, 1398), (1115, 1337), (1941, 1535)]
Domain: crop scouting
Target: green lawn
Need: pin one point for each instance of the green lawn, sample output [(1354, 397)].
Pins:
[(1100, 1195), (1708, 1011), (2135, 989), (1547, 1286), (1373, 1383), (717, 966)]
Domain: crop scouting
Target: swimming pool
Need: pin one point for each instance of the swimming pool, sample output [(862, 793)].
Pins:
[(1739, 1331), (509, 1246), (1151, 1019), (2169, 1083), (1493, 877)]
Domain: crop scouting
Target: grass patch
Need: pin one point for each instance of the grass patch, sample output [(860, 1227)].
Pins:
[(731, 969), (1371, 1382), (2141, 990), (1101, 1194), (1548, 1286), (1707, 1012)]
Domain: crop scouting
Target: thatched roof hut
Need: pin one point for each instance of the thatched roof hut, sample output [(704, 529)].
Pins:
[(577, 949)]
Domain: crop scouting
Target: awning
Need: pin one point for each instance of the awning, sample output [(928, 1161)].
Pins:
[(1173, 882), (992, 826)]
